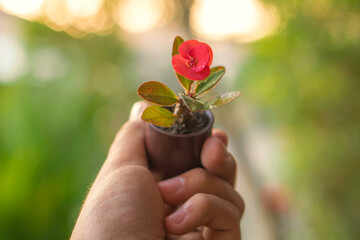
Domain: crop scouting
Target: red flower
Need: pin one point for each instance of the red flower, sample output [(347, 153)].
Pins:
[(194, 60)]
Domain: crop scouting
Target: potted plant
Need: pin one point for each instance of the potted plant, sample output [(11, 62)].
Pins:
[(179, 124)]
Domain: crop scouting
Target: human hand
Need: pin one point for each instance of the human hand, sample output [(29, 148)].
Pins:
[(207, 206), (125, 202)]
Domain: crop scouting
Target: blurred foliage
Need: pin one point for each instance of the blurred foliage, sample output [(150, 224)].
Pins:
[(56, 124), (304, 80)]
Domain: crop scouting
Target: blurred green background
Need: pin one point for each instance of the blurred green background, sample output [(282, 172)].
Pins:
[(69, 70)]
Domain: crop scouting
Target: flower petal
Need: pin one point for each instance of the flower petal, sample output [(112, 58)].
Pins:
[(181, 67), (185, 47), (201, 53), (193, 50), (197, 76)]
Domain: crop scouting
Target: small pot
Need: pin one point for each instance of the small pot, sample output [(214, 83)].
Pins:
[(171, 154)]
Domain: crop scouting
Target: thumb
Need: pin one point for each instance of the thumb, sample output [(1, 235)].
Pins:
[(128, 147), (137, 110)]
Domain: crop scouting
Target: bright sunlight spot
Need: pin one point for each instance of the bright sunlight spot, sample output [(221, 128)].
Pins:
[(29, 9), (137, 16), (246, 20), (84, 8), (242, 20), (12, 58), (56, 15)]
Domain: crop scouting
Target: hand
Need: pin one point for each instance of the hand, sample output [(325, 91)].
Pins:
[(205, 197), (125, 202)]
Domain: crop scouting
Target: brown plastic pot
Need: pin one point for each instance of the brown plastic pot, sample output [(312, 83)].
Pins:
[(171, 154)]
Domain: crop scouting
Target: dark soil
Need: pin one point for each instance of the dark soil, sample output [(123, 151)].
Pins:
[(195, 124)]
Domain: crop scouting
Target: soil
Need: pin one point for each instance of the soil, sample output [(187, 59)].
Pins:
[(197, 123)]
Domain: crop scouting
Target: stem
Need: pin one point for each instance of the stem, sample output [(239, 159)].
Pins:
[(183, 113), (192, 89), (189, 91)]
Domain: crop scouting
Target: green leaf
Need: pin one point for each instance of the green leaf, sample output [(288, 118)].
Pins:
[(158, 116), (158, 93), (177, 41), (191, 103), (221, 99), (207, 84)]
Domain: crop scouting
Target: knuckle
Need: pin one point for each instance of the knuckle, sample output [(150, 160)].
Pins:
[(236, 216), (238, 211), (241, 206), (201, 176), (202, 201), (231, 160), (234, 198)]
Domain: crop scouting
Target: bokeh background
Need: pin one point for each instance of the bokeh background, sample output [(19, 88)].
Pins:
[(69, 70)]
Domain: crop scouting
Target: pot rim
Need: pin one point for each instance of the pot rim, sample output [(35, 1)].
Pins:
[(203, 130)]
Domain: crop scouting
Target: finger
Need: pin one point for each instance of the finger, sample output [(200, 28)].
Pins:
[(135, 114), (168, 209), (187, 236), (221, 135), (179, 189), (211, 211), (217, 160), (137, 110), (158, 176), (128, 147)]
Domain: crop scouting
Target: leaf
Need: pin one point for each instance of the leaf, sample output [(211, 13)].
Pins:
[(185, 83), (158, 93), (158, 116), (207, 84), (177, 41), (221, 99), (191, 103)]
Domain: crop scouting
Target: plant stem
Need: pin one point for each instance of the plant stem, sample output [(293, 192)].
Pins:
[(183, 112), (192, 88)]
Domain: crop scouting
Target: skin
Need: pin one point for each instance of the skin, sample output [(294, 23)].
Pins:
[(127, 202)]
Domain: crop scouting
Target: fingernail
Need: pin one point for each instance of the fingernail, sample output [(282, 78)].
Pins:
[(171, 185), (177, 217)]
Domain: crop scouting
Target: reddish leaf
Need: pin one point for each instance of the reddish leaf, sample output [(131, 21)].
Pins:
[(157, 93)]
